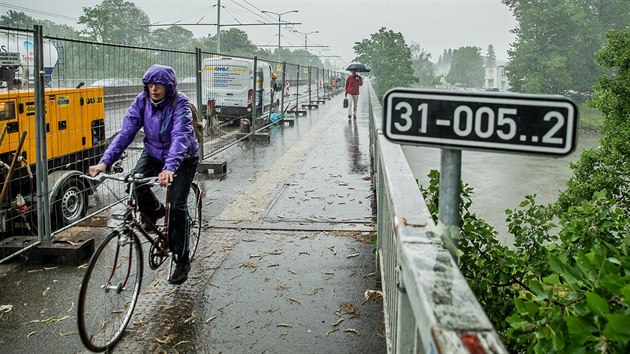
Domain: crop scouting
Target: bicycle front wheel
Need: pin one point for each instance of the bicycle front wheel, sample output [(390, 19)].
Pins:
[(110, 290), (194, 219)]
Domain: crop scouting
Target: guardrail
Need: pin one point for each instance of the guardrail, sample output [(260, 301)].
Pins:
[(429, 307)]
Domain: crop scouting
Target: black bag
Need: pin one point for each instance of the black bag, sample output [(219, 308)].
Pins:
[(345, 103)]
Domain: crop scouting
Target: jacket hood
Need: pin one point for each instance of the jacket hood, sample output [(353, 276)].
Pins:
[(161, 74)]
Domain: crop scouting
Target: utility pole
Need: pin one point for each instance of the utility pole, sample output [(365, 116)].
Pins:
[(218, 26), (279, 21), (305, 37)]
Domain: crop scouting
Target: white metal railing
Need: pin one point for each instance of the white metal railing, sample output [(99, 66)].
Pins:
[(429, 307)]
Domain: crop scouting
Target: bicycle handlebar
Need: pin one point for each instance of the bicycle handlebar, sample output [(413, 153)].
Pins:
[(126, 179)]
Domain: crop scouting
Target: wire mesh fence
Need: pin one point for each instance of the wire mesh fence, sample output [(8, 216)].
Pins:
[(87, 90)]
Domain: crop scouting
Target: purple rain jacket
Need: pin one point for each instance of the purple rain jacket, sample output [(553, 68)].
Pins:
[(169, 135)]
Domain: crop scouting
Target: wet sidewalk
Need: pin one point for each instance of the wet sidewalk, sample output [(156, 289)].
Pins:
[(285, 263)]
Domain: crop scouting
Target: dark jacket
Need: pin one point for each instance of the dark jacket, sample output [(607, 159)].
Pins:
[(168, 130)]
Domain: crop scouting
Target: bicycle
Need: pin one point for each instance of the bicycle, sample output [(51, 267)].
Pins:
[(111, 284)]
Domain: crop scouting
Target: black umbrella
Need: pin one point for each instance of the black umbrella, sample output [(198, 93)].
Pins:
[(361, 68)]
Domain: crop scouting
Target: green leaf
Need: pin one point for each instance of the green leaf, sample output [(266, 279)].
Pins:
[(578, 328), (558, 342), (555, 264), (537, 289), (612, 282), (626, 294), (597, 304), (553, 279), (531, 307), (618, 328), (572, 275)]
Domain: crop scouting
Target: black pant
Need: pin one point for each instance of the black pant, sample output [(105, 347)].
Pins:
[(179, 189)]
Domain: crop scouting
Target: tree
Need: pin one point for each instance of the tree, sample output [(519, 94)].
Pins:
[(555, 42), (608, 166), (116, 21), (491, 58), (423, 68), (236, 42), (467, 67), (389, 58), (174, 37), (21, 20)]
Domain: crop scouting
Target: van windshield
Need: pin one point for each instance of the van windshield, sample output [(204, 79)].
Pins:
[(225, 76)]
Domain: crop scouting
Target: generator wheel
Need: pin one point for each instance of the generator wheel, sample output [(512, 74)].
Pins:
[(71, 203)]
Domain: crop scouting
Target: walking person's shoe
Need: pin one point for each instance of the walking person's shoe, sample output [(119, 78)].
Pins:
[(180, 274), (354, 116)]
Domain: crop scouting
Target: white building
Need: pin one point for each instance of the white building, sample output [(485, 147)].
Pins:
[(495, 77)]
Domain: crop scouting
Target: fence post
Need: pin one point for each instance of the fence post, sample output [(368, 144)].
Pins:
[(310, 86), (284, 82), (199, 98), (297, 90), (41, 165), (252, 127), (317, 84)]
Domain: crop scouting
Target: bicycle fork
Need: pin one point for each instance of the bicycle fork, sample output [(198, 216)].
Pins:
[(123, 240)]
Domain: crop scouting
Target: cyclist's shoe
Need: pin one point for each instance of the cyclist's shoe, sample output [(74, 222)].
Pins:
[(154, 218), (180, 274)]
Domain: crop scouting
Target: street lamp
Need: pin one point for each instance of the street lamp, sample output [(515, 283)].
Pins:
[(279, 18), (305, 37)]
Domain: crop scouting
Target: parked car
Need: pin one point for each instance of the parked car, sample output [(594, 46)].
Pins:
[(112, 82)]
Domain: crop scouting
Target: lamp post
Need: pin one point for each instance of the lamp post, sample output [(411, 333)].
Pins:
[(305, 37), (279, 18)]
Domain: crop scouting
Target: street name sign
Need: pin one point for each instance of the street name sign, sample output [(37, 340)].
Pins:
[(508, 122)]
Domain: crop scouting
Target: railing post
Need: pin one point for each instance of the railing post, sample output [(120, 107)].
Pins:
[(406, 326)]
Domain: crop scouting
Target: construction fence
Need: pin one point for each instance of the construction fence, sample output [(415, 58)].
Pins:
[(62, 101)]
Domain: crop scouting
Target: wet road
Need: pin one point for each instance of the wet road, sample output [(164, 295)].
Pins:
[(283, 265)]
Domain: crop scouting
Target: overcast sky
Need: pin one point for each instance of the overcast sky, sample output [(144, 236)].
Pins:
[(435, 25)]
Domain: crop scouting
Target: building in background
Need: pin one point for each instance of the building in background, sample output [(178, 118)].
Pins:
[(495, 78)]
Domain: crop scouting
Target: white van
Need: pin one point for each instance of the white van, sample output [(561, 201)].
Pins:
[(228, 83)]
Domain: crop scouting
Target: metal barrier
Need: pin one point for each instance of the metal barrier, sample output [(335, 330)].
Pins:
[(89, 86), (429, 307)]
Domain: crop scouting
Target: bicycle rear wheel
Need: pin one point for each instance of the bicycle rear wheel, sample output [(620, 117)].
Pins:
[(109, 290), (194, 213)]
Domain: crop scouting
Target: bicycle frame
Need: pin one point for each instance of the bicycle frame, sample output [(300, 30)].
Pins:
[(133, 218)]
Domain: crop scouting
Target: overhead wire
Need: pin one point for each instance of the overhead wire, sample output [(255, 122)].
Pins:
[(184, 16), (39, 12)]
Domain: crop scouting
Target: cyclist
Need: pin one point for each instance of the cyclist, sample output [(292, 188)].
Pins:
[(171, 152)]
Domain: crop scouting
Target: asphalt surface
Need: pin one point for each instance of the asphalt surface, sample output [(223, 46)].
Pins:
[(285, 263)]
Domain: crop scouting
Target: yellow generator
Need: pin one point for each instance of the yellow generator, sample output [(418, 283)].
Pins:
[(75, 139)]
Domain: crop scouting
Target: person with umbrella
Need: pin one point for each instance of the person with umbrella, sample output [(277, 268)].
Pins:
[(353, 82)]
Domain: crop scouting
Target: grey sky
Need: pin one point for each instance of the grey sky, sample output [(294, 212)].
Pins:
[(435, 25)]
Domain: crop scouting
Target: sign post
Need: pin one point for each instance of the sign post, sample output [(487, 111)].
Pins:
[(488, 121)]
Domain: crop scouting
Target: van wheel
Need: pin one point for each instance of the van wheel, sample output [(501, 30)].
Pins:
[(71, 203)]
